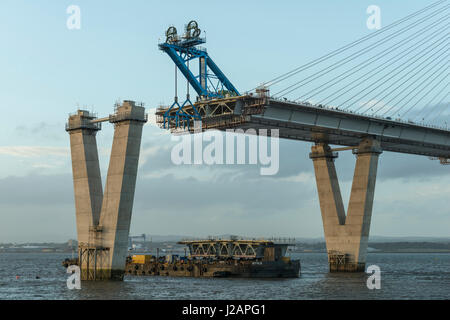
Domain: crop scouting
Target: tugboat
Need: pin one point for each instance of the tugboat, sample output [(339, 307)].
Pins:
[(220, 258)]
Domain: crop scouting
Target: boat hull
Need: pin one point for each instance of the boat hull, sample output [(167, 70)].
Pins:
[(217, 269)]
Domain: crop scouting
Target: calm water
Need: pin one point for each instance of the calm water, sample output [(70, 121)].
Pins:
[(404, 276)]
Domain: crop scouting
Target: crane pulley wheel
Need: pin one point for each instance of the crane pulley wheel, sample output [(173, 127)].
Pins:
[(192, 30), (171, 34)]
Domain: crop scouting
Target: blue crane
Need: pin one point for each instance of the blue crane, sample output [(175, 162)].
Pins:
[(209, 83)]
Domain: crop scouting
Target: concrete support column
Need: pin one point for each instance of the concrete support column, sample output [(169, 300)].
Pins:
[(87, 181), (120, 186), (103, 221), (346, 236)]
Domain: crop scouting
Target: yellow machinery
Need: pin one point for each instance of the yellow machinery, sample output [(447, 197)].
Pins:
[(141, 258)]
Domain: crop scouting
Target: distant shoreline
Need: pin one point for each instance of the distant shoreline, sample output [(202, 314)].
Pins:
[(166, 247)]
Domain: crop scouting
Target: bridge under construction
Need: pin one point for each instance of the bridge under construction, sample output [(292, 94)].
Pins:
[(361, 123), (364, 110)]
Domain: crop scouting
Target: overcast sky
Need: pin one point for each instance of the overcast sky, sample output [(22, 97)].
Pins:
[(49, 71)]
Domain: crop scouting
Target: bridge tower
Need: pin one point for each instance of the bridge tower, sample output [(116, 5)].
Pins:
[(103, 220), (346, 236)]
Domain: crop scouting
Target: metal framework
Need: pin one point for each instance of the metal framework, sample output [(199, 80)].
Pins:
[(443, 161), (247, 249), (92, 261), (337, 258), (209, 83), (217, 113)]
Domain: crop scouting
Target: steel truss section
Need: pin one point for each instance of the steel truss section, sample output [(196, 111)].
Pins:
[(227, 249)]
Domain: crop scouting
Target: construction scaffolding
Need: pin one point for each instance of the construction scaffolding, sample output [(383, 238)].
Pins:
[(93, 261), (83, 119), (337, 258), (215, 114)]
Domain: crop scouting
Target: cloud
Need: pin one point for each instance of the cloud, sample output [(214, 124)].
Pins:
[(41, 130), (36, 189), (259, 196), (34, 151), (202, 200), (223, 201), (46, 165), (201, 206)]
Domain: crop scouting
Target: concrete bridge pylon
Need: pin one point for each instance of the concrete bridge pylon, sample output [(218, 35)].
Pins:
[(103, 220), (346, 236)]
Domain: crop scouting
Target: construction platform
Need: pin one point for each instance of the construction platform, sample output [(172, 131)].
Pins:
[(219, 259)]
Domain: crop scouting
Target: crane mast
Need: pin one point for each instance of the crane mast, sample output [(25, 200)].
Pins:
[(209, 83)]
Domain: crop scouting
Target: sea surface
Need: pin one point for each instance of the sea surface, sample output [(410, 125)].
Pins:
[(403, 276)]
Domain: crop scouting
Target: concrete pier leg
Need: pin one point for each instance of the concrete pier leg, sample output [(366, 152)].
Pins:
[(103, 221), (86, 172), (346, 236), (86, 177), (120, 186)]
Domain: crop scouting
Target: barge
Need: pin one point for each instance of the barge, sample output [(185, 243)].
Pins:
[(219, 259)]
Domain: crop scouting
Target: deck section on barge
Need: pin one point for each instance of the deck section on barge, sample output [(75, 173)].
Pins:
[(220, 258)]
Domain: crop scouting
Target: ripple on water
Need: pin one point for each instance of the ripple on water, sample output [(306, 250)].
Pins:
[(404, 276)]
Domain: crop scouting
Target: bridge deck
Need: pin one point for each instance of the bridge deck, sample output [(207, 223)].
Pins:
[(318, 124)]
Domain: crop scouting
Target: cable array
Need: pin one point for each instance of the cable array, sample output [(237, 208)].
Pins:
[(398, 71)]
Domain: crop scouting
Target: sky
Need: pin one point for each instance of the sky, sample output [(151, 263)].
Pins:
[(48, 71)]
